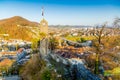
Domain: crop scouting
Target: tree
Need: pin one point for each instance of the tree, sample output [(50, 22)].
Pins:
[(98, 45), (116, 22), (53, 43), (35, 43), (105, 47), (32, 69), (42, 35)]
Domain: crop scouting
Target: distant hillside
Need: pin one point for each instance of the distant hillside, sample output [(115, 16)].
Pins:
[(69, 26), (17, 20), (19, 28)]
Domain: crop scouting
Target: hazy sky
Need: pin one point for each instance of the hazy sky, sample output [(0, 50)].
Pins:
[(65, 12)]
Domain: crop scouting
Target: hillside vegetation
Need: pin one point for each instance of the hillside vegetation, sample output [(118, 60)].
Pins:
[(19, 28)]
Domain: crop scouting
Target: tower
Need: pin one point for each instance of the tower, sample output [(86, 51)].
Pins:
[(43, 24), (44, 40)]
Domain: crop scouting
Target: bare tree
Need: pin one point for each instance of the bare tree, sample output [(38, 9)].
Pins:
[(99, 34), (116, 22)]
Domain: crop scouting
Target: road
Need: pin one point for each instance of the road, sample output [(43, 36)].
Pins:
[(10, 78)]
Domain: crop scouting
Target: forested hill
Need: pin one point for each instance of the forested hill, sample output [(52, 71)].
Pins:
[(19, 28), (17, 20)]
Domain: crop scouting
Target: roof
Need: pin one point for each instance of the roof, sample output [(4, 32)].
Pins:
[(5, 62)]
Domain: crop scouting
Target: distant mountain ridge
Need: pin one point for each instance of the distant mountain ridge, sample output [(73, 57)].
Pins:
[(18, 20)]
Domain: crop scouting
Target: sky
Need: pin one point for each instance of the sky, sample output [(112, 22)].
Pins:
[(63, 12)]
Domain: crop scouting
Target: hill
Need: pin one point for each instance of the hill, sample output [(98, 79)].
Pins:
[(18, 28), (17, 20)]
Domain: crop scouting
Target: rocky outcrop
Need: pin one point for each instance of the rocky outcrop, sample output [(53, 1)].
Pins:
[(72, 69)]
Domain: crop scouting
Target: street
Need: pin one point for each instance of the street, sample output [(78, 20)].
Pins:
[(10, 78)]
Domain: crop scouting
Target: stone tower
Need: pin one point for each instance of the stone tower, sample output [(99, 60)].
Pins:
[(43, 26), (44, 40)]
